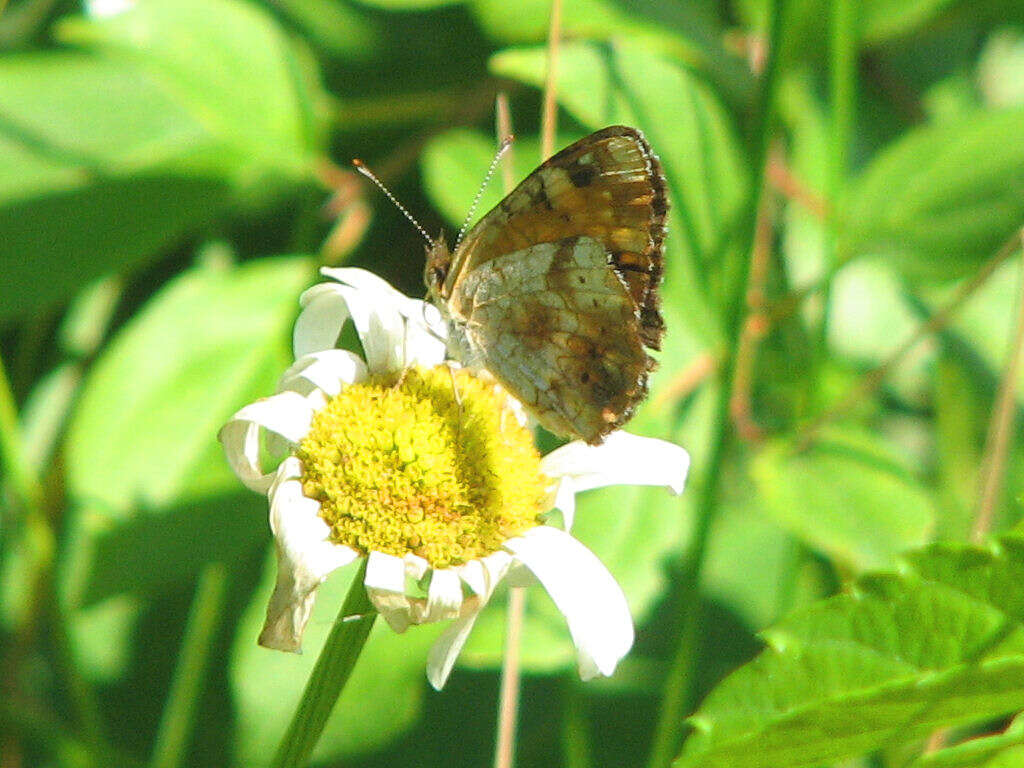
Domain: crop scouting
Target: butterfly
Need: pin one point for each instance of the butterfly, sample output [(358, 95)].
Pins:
[(555, 290)]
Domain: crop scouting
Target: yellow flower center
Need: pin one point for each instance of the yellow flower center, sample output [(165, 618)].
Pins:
[(434, 463)]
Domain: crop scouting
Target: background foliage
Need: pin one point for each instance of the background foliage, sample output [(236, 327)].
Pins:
[(172, 172)]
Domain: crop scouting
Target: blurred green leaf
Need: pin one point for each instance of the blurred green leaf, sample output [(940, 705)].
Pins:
[(886, 19), (941, 199), (333, 26), (228, 65), (869, 338), (986, 320), (938, 644), (878, 20), (112, 152), (581, 20), (143, 464), (409, 5), (845, 496), (381, 701), (1004, 750), (1001, 68)]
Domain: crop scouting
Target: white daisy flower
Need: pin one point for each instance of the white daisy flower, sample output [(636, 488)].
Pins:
[(430, 472)]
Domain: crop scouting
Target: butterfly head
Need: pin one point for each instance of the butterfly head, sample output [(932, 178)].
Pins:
[(435, 274)]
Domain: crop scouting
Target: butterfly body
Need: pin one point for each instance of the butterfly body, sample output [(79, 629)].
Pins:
[(554, 291)]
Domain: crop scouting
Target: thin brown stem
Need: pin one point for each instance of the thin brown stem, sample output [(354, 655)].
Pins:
[(998, 440), (755, 324), (504, 125), (549, 117), (687, 380), (508, 697), (789, 185), (873, 379)]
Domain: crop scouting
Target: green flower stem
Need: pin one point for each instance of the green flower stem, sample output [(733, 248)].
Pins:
[(332, 670), (172, 738), (843, 96), (679, 685)]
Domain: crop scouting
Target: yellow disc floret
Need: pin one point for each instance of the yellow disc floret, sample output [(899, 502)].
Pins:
[(433, 463)]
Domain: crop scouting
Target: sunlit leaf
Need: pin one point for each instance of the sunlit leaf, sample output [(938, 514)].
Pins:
[(163, 114), (846, 496), (1003, 750), (938, 644), (143, 438), (940, 200)]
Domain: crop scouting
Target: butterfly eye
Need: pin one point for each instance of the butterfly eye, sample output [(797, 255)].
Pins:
[(439, 274)]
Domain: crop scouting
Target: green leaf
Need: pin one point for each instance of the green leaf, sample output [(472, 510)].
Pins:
[(582, 19), (1004, 750), (845, 496), (55, 243), (381, 701), (878, 20), (227, 64), (935, 645), (409, 5), (940, 200), (1001, 68), (338, 29), (154, 495), (144, 133)]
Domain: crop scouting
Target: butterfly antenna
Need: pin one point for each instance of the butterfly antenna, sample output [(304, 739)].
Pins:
[(361, 167), (505, 144)]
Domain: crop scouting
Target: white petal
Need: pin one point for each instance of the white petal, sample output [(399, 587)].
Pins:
[(446, 649), (380, 326), (474, 576), (565, 502), (287, 414), (622, 459), (415, 566), (385, 585), (495, 565), (304, 559), (584, 591), (415, 336), (329, 370), (318, 326), (444, 597)]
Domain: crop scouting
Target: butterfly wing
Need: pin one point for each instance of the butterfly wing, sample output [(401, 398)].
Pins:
[(557, 326), (608, 187)]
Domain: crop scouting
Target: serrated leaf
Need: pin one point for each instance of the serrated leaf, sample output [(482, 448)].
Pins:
[(142, 440), (938, 644), (381, 700), (940, 200), (1004, 750), (844, 496)]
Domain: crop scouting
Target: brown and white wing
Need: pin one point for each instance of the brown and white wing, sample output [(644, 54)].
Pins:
[(557, 326), (608, 187)]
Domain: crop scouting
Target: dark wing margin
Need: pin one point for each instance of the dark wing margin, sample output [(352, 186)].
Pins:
[(608, 186)]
